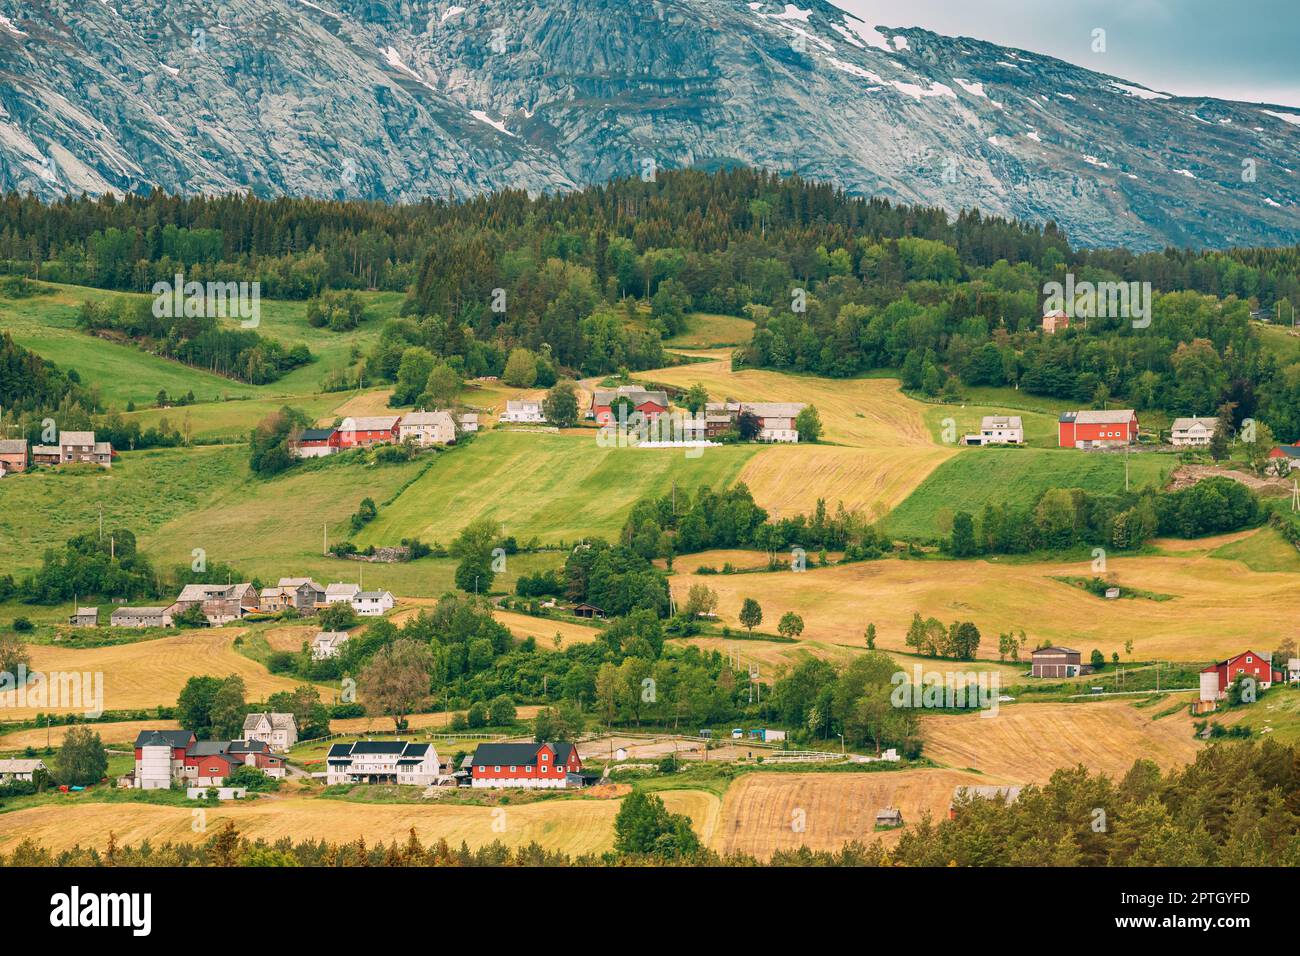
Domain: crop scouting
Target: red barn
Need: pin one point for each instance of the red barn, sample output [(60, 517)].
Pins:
[(1217, 678), (650, 404), (526, 765), (1093, 429), (363, 432)]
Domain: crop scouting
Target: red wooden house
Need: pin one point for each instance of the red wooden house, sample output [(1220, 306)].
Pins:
[(1094, 429), (1217, 678), (363, 432), (647, 403), (526, 765)]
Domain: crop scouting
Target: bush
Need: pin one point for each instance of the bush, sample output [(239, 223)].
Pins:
[(22, 625)]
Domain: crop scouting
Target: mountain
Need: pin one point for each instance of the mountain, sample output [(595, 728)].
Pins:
[(399, 100)]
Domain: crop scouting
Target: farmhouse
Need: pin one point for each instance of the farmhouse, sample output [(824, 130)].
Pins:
[(1192, 431), (999, 430), (221, 603), (364, 432), (208, 763), (372, 603), (1057, 662), (81, 446), (140, 617), (160, 757), (962, 795), (326, 644), (650, 404), (313, 443), (382, 761), (527, 765), (339, 593), (428, 428), (526, 411), (1293, 670), (468, 422), (1054, 321), (85, 617), (1218, 678), (277, 731), (306, 592), (13, 456), (1096, 429), (24, 770), (274, 600), (775, 419), (1290, 452)]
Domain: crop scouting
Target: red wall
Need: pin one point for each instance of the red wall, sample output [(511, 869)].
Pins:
[(557, 771)]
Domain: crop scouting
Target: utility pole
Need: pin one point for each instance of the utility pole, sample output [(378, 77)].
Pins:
[(324, 538)]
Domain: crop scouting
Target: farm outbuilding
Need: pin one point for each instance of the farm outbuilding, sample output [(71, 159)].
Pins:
[(889, 817), (1057, 662)]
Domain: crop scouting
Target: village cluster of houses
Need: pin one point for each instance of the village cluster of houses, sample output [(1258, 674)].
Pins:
[(70, 447), (422, 428), (164, 757), (223, 603), (1216, 680), (493, 765)]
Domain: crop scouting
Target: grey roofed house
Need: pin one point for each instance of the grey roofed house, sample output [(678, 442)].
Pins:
[(173, 738), (278, 721), (13, 446), (315, 434), (139, 617), (77, 438), (636, 394), (1090, 416), (889, 817)]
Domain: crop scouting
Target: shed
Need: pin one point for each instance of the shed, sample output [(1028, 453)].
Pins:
[(1112, 594), (587, 610), (889, 817)]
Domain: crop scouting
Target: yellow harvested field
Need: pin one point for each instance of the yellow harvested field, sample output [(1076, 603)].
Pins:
[(438, 721), (149, 673), (1025, 743), (763, 812), (545, 629), (111, 732), (881, 448), (1218, 605), (374, 402), (573, 826)]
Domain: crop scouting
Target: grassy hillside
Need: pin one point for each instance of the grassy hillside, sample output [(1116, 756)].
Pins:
[(1040, 428), (549, 486), (143, 491), (706, 331), (121, 372), (979, 476)]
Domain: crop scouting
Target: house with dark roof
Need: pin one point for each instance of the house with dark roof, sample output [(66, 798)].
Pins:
[(160, 757), (209, 762), (1057, 662), (166, 756), (544, 765), (382, 761), (1289, 453), (313, 443)]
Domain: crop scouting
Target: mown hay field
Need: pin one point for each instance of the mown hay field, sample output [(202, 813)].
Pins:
[(1026, 743), (114, 733), (152, 673), (578, 825), (1217, 605), (766, 812), (706, 330), (879, 446)]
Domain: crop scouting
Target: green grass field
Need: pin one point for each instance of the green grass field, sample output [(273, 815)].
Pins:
[(142, 492), (980, 476), (1040, 429), (705, 330), (1265, 550), (549, 486), (122, 373)]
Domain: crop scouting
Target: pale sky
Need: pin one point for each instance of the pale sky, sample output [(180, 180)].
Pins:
[(1235, 49)]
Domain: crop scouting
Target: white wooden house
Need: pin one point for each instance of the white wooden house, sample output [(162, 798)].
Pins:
[(326, 644), (372, 603), (1192, 431), (525, 411), (277, 731)]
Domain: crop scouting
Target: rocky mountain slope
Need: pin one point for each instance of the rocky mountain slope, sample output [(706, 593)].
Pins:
[(402, 99)]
